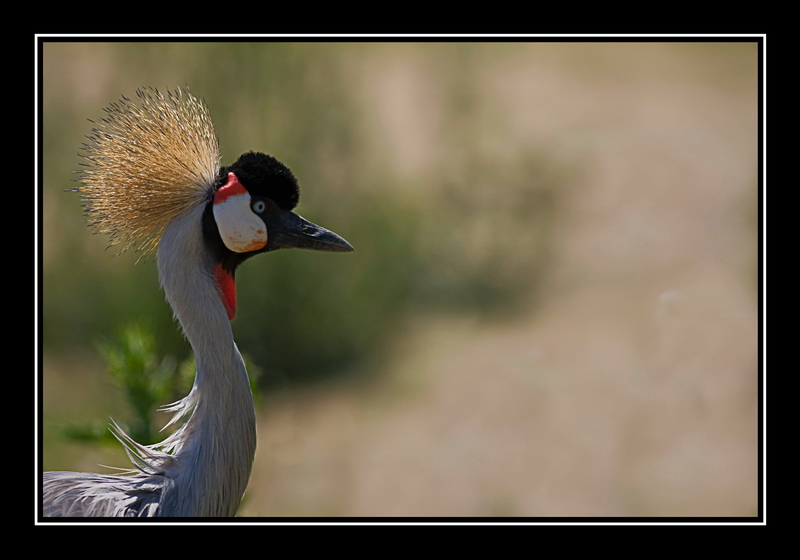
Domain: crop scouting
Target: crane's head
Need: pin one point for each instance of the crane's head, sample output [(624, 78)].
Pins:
[(251, 213), (151, 161)]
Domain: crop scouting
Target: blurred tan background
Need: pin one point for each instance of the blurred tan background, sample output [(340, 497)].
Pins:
[(552, 309)]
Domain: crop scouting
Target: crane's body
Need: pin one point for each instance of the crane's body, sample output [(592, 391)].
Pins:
[(225, 216)]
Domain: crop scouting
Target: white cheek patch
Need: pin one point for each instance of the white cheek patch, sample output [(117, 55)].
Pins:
[(241, 230)]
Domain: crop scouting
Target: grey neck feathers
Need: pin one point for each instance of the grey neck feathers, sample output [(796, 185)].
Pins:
[(213, 452)]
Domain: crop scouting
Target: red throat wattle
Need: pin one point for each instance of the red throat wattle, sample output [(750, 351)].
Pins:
[(227, 289)]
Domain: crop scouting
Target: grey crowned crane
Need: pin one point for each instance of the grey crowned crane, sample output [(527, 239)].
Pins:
[(153, 180)]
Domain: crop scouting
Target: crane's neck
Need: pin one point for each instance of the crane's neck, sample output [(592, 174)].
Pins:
[(214, 450)]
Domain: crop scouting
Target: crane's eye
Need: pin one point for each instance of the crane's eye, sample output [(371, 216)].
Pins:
[(259, 206)]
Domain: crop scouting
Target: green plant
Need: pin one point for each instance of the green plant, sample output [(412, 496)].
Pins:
[(147, 381)]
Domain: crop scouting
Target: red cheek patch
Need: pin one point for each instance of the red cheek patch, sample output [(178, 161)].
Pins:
[(232, 188)]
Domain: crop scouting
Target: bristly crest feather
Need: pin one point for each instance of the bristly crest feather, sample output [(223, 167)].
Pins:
[(146, 164)]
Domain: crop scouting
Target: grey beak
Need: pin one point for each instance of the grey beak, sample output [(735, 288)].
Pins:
[(292, 231)]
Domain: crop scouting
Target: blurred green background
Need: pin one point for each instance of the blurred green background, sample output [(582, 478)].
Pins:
[(555, 257)]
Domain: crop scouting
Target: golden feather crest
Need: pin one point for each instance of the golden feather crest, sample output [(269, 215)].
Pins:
[(147, 163)]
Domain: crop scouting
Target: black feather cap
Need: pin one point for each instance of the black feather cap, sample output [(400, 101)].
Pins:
[(263, 175)]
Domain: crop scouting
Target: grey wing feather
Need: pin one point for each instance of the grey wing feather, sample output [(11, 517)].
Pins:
[(73, 494)]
